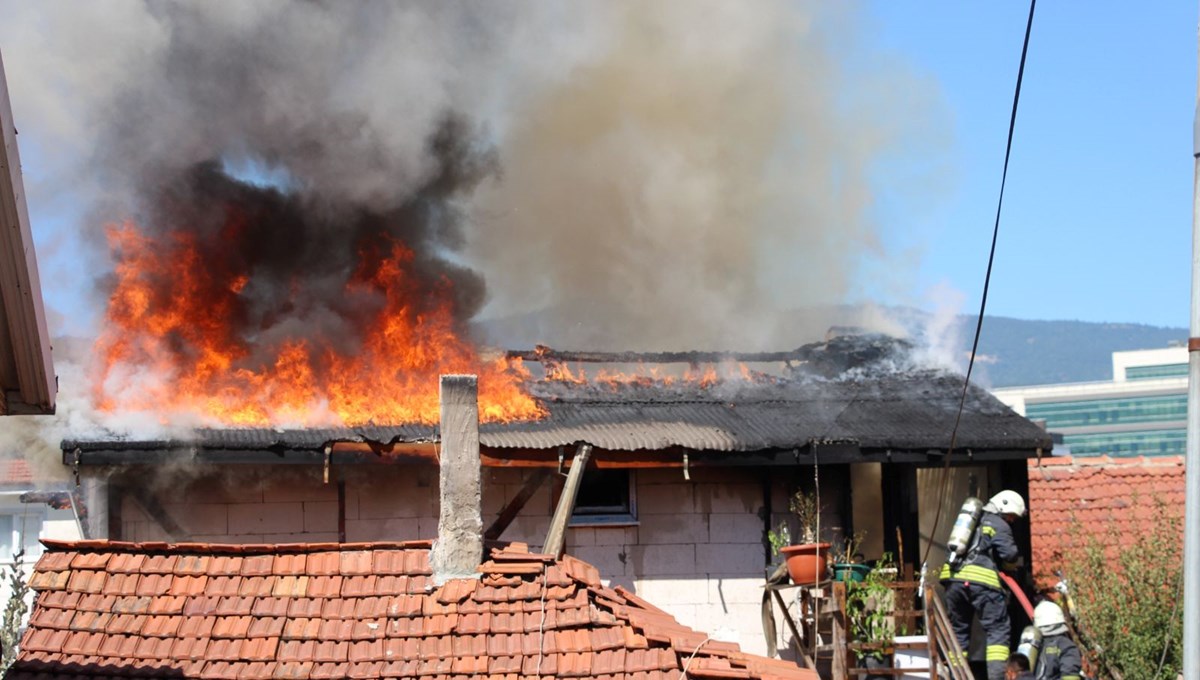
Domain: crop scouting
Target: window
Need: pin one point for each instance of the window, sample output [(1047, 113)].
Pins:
[(21, 528), (606, 496)]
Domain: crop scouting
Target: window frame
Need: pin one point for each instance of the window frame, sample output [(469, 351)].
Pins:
[(610, 516)]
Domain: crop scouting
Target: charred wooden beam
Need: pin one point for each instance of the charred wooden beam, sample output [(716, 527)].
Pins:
[(546, 354)]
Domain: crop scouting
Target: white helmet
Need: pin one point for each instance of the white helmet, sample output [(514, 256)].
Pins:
[(1047, 614), (1008, 503)]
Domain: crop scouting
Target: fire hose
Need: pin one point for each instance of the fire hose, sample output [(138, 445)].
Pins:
[(1017, 593)]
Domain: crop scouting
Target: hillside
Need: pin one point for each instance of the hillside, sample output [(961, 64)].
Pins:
[(1021, 352)]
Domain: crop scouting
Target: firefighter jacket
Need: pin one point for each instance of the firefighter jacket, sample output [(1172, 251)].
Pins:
[(992, 548), (1060, 658)]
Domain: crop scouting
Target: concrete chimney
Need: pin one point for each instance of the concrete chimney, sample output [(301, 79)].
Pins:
[(458, 549)]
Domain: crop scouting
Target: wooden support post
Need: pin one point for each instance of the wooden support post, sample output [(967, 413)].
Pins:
[(156, 512), (557, 532), (458, 550), (841, 650), (510, 511), (798, 640)]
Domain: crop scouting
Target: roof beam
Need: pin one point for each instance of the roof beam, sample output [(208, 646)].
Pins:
[(24, 316)]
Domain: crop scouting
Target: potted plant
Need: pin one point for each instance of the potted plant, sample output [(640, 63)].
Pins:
[(779, 538), (870, 604), (847, 561), (807, 562)]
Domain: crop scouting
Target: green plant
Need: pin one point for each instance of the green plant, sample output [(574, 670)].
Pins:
[(847, 550), (14, 611), (869, 607), (808, 515), (1126, 595), (779, 538)]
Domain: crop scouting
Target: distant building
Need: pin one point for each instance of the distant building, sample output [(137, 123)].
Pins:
[(1142, 411)]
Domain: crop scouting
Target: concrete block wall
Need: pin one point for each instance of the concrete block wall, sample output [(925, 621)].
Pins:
[(696, 549)]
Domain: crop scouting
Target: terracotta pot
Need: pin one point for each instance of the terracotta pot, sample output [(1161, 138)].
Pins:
[(807, 563)]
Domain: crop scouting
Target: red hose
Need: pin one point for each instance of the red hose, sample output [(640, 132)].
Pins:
[(1018, 593)]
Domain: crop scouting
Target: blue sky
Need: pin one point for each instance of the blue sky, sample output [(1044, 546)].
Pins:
[(1097, 218)]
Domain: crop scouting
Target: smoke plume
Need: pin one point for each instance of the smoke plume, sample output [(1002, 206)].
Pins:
[(620, 175)]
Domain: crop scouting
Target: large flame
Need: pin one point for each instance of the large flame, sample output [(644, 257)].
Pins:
[(169, 346)]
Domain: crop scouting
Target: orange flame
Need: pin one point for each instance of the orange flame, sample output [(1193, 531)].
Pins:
[(168, 347)]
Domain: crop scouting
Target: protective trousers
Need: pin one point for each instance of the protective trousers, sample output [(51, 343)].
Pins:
[(963, 601)]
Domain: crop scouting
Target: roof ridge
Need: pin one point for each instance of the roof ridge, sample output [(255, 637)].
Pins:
[(187, 547)]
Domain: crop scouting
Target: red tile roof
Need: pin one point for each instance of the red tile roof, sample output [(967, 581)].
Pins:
[(361, 611), (1109, 497), (15, 471)]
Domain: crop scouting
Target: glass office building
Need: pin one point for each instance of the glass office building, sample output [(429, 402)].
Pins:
[(1142, 411)]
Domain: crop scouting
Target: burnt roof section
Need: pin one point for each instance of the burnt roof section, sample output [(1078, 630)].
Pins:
[(860, 392)]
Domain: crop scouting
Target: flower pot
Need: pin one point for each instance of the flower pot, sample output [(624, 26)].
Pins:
[(850, 572), (806, 563), (873, 662)]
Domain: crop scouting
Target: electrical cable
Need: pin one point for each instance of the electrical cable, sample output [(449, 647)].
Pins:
[(987, 279)]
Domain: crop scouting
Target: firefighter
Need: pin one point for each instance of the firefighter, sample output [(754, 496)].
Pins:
[(974, 587), (1017, 668), (1060, 658)]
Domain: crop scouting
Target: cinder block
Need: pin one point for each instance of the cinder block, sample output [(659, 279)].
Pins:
[(200, 518), (674, 528), (731, 590), (321, 516), (730, 558), (661, 560), (289, 486), (664, 499), (735, 528), (667, 592), (740, 623), (385, 501), (306, 537), (225, 487), (616, 536), (243, 538), (501, 476), (266, 518), (730, 498), (580, 536), (605, 559), (395, 529)]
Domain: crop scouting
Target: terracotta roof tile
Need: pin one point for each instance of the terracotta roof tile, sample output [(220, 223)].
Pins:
[(311, 612), (324, 564), (1102, 496)]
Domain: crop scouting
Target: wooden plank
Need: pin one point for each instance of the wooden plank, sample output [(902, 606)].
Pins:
[(556, 534), (514, 506), (841, 653), (798, 640), (26, 368)]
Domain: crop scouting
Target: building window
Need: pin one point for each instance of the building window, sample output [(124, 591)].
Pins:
[(606, 496), (20, 529)]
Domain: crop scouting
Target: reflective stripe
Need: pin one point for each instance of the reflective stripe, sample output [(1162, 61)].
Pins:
[(973, 573), (1071, 677), (997, 653), (990, 531)]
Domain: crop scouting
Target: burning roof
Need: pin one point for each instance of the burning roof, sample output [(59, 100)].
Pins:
[(856, 395)]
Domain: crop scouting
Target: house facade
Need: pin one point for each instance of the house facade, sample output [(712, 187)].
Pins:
[(676, 504)]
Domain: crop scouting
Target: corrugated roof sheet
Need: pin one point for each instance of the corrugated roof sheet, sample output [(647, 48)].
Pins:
[(225, 612), (911, 410)]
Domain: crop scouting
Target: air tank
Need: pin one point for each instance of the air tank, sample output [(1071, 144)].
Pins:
[(964, 528), (1030, 645)]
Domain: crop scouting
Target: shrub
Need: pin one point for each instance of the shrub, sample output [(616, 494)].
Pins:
[(1127, 596), (14, 611)]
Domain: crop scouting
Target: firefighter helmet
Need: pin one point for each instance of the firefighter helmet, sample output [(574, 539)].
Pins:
[(1048, 614), (1008, 503)]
